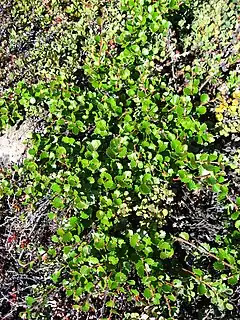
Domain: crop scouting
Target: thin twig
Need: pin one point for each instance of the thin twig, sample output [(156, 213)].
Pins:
[(104, 302), (168, 305), (197, 278), (202, 248)]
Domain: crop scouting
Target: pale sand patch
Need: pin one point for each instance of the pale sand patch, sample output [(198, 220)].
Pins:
[(13, 143)]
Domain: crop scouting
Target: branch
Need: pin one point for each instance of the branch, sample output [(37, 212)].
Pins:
[(202, 248)]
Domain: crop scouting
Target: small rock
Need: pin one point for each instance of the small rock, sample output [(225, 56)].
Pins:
[(13, 144)]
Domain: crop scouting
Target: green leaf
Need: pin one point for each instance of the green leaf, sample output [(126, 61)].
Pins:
[(44, 155), (99, 21), (233, 280), (52, 252), (56, 188), (192, 185), (23, 102), (108, 184), (238, 201), (147, 177), (32, 152), (55, 239), (201, 110), (67, 249), (165, 255), (101, 125), (171, 297), (60, 232), (202, 289), (84, 270), (67, 237), (110, 153), (134, 240), (55, 276), (204, 98), (61, 151), (218, 266), (216, 188), (113, 260), (58, 203), (184, 235), (145, 51), (184, 176), (99, 243), (198, 272), (30, 301), (93, 260), (131, 92), (51, 215), (89, 286), (180, 111), (140, 269), (229, 306), (147, 293), (145, 189), (123, 152), (86, 307), (68, 140), (110, 304), (187, 91), (176, 145), (95, 144), (237, 224), (166, 288), (120, 277), (125, 74), (235, 215)]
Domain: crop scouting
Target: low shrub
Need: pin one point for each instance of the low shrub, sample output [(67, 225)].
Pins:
[(116, 163)]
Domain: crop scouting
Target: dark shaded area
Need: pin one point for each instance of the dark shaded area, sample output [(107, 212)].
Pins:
[(18, 245), (198, 213)]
